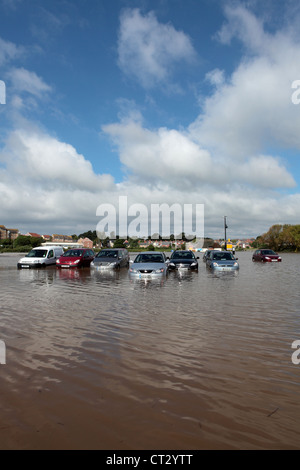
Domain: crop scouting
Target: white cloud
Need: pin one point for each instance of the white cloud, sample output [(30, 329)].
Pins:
[(46, 183), (47, 186), (173, 157), (25, 80), (252, 110), (9, 51), (148, 50), (37, 158)]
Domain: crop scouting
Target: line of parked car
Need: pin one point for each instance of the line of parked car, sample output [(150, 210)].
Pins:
[(145, 264)]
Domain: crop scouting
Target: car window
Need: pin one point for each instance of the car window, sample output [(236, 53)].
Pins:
[(107, 254), (50, 254), (149, 258), (37, 254), (222, 256)]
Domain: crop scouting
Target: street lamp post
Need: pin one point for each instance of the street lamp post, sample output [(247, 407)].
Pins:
[(225, 227)]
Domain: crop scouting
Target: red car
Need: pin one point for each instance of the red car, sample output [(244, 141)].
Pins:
[(76, 258), (265, 256)]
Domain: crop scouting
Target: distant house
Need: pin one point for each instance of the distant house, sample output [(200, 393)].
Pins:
[(56, 238), (13, 233), (32, 234), (85, 242), (47, 238), (144, 244), (8, 233)]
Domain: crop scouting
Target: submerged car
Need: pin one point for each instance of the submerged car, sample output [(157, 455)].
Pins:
[(222, 261), (111, 258), (76, 258), (40, 257), (266, 256), (149, 264), (206, 255), (183, 259)]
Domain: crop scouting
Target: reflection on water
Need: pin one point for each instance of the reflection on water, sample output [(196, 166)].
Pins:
[(202, 360)]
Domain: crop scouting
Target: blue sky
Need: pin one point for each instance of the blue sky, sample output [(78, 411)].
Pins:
[(160, 101)]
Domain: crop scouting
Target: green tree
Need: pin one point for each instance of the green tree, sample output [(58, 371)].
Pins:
[(280, 237), (6, 243), (133, 243), (25, 240), (92, 235), (119, 243)]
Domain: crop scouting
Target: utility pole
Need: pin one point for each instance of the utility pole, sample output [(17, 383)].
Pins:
[(225, 227)]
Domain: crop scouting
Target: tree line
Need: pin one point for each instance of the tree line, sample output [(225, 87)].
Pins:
[(280, 238)]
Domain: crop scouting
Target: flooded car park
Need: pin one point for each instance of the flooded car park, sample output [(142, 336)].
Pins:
[(198, 360)]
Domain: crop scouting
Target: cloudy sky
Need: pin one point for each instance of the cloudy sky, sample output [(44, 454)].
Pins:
[(161, 101)]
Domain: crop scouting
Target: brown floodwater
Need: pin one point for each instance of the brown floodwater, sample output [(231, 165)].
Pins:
[(198, 361)]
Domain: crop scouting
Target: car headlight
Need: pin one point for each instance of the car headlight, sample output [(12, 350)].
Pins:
[(113, 263), (160, 270), (92, 263), (193, 264), (235, 264), (215, 264), (132, 270), (267, 257), (171, 264), (77, 261)]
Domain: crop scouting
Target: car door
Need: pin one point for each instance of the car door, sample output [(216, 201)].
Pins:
[(86, 258), (126, 259), (123, 260), (120, 258), (50, 258)]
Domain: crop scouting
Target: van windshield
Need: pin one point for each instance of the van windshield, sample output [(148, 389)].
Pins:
[(37, 254)]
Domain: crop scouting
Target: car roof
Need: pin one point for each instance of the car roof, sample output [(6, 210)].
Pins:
[(112, 249), (46, 247)]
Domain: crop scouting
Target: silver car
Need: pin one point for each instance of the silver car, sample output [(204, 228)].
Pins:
[(149, 264), (222, 261), (111, 258)]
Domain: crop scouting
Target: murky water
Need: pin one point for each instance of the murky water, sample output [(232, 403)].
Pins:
[(199, 361)]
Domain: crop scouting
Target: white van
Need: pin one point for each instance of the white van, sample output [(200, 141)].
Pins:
[(40, 257)]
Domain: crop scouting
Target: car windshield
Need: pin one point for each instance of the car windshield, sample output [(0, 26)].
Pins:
[(268, 252), (223, 256), (37, 254), (107, 254), (73, 253), (182, 255), (149, 258)]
